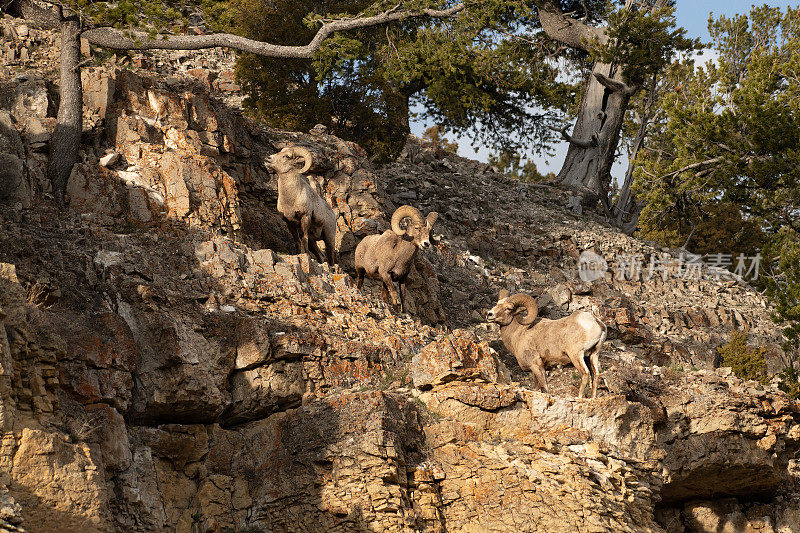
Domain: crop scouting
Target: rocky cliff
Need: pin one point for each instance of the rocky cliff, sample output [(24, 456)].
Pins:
[(168, 364)]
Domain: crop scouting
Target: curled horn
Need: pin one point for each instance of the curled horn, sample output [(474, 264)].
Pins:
[(528, 303), (306, 155), (432, 217), (403, 212)]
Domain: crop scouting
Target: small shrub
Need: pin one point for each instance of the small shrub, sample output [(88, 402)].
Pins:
[(395, 377), (427, 417), (790, 383), (746, 361), (434, 135)]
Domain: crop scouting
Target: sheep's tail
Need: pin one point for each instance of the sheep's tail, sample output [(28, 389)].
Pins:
[(603, 327), (603, 335), (594, 357)]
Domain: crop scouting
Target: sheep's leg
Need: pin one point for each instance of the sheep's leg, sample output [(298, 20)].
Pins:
[(294, 229), (330, 248), (305, 226), (595, 373), (594, 360), (389, 284), (385, 293), (402, 297), (538, 372), (360, 277), (584, 370), (315, 249)]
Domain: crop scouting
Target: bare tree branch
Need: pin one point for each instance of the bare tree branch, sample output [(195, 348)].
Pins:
[(689, 238), (583, 143), (119, 40), (614, 85), (693, 166), (569, 31)]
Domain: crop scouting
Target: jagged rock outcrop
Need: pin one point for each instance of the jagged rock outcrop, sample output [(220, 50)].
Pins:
[(166, 363), (523, 237)]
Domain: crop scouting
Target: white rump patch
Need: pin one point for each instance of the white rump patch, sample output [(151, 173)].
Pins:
[(593, 330)]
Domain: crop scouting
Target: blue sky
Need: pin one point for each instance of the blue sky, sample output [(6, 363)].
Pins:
[(691, 15)]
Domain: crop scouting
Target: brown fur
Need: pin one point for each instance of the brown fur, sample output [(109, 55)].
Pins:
[(388, 257), (308, 215), (573, 339)]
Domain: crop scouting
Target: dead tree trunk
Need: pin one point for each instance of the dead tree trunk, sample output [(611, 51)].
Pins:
[(593, 143), (627, 208), (66, 138)]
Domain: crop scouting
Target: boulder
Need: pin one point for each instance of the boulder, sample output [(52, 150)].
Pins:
[(457, 357)]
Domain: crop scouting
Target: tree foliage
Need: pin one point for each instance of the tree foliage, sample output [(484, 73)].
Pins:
[(783, 284), (151, 15), (731, 131), (354, 100), (644, 40), (723, 167), (483, 71), (514, 166)]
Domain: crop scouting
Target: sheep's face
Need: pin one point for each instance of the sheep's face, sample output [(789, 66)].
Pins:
[(285, 161), (421, 233), (503, 312)]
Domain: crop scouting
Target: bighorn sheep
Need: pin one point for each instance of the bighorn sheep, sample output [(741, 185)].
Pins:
[(573, 339), (307, 214), (388, 257)]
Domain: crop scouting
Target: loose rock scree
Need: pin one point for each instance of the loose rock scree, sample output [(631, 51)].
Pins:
[(305, 211), (575, 339), (388, 257)]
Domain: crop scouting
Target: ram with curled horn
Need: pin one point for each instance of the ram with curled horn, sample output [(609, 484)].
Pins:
[(575, 339), (308, 215), (388, 257)]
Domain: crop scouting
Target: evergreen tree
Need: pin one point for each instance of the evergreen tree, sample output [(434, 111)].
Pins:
[(722, 172), (481, 71), (475, 66), (729, 140)]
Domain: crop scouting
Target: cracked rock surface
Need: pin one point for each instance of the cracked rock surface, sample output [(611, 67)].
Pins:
[(168, 364)]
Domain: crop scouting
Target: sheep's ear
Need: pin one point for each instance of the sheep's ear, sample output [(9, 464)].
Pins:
[(432, 217), (503, 294)]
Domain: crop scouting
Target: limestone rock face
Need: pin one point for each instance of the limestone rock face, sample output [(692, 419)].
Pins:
[(168, 364), (457, 357), (723, 442), (63, 477), (13, 182)]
